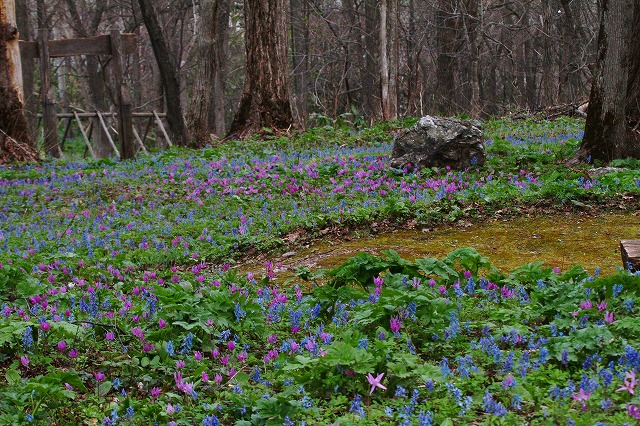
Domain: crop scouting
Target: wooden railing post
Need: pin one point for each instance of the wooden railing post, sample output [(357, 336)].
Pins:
[(125, 119), (51, 146)]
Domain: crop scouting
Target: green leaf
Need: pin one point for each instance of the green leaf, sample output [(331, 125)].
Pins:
[(431, 266), (13, 377), (104, 388)]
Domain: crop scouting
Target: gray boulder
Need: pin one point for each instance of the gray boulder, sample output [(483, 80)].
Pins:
[(440, 142)]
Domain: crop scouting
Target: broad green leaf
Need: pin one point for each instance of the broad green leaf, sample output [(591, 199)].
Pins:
[(13, 377)]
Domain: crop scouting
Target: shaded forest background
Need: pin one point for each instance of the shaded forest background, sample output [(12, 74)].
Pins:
[(353, 60)]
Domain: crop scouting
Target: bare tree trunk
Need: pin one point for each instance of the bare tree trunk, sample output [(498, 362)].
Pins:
[(471, 20), (615, 92), (446, 62), (206, 111), (372, 104), (30, 98), (549, 62), (413, 67), (63, 69), (300, 57), (394, 58), (168, 74), (265, 99), (15, 143), (217, 116), (384, 62)]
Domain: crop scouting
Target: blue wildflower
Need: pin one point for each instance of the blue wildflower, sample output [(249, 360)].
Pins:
[(425, 418), (187, 343), (430, 385), (401, 392), (239, 312), (210, 420), (169, 348), (27, 337), (356, 407)]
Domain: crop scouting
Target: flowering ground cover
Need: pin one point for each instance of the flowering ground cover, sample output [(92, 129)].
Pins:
[(119, 305)]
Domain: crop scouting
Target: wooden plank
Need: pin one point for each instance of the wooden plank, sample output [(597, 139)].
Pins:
[(142, 147), (630, 251), (84, 136), (161, 126), (93, 114), (125, 120), (97, 45), (146, 130), (51, 146), (106, 131)]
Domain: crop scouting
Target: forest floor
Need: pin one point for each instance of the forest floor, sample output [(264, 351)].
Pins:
[(301, 280)]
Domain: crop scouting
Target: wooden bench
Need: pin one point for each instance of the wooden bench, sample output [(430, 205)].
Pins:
[(630, 250)]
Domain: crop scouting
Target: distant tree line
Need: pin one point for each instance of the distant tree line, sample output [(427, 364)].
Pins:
[(437, 56), (232, 68)]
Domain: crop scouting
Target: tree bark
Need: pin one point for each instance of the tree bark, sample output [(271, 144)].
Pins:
[(30, 98), (265, 101), (372, 104), (168, 74), (446, 38), (206, 111), (15, 143), (412, 51), (550, 79), (471, 19), (384, 62), (614, 104), (394, 59), (300, 35)]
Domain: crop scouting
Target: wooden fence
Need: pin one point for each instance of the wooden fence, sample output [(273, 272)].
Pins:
[(115, 44), (101, 119)]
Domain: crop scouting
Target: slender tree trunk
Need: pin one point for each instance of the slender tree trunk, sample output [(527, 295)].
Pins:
[(615, 91), (530, 66), (413, 67), (136, 73), (300, 35), (471, 21), (446, 62), (206, 110), (168, 74), (384, 62), (372, 104), (63, 69), (265, 99), (394, 58), (549, 61), (15, 143)]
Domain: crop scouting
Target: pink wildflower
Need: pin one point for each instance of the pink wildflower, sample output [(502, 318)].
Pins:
[(633, 410), (395, 324), (629, 382), (608, 317)]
